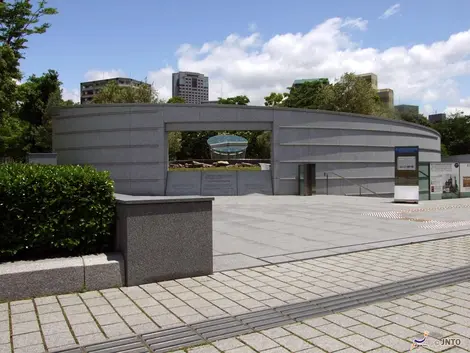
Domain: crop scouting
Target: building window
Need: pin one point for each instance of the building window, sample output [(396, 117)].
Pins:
[(194, 83)]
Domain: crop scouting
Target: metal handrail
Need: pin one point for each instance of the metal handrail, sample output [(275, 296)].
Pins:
[(349, 181)]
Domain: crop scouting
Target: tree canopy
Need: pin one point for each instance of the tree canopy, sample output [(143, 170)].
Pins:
[(113, 93), (239, 100)]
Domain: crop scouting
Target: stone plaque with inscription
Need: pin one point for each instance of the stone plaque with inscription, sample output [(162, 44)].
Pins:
[(219, 183), (183, 183), (255, 182)]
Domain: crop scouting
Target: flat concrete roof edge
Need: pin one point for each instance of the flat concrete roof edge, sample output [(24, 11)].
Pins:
[(231, 106), (140, 200)]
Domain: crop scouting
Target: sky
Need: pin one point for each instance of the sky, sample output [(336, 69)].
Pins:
[(418, 48)]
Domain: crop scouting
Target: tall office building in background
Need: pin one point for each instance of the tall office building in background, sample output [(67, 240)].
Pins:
[(191, 86)]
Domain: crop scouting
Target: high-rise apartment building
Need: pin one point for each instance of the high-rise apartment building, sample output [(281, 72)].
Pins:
[(89, 89), (371, 79), (299, 82), (192, 86), (386, 96), (436, 118), (407, 109)]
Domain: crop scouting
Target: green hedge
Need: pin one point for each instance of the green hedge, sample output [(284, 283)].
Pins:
[(54, 210)]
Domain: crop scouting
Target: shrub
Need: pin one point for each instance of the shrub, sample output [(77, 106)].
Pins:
[(54, 210)]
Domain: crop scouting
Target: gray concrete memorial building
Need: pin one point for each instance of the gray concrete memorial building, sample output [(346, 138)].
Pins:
[(337, 151)]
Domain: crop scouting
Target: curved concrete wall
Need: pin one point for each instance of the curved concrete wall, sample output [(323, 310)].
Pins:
[(129, 140)]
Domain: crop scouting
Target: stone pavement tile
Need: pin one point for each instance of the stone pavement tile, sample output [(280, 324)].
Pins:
[(204, 349), (372, 320), (184, 310), (48, 308), (95, 301), (293, 343), (399, 331), (436, 303), (328, 343), (360, 342), (227, 344), (108, 319), (22, 306), (348, 350), (459, 329), (402, 320), (403, 310), (22, 317), (90, 295), (244, 349), (4, 337), (69, 299), (27, 339), (211, 311), (236, 310), (85, 329), (128, 310), (341, 320), (279, 350), (25, 327), (76, 319), (59, 340), (156, 310), (51, 317), (334, 330), (191, 319), (303, 331), (407, 303), (166, 320), (433, 311), (54, 328), (90, 339), (101, 309), (37, 348), (315, 322), (376, 310), (145, 328), (275, 332), (5, 348), (434, 321), (258, 341), (116, 330), (463, 320), (136, 319), (434, 332), (384, 350), (75, 309), (394, 343)]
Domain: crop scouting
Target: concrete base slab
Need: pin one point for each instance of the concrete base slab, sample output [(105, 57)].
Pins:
[(26, 279), (104, 271), (277, 229), (234, 261)]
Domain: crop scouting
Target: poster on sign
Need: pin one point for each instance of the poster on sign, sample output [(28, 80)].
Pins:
[(444, 180), (464, 179)]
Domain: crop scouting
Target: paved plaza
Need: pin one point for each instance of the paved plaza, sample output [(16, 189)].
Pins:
[(57, 322), (260, 230)]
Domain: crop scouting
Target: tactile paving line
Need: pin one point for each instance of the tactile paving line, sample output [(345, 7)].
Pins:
[(211, 330)]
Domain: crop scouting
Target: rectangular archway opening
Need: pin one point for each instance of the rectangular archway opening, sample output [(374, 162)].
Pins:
[(219, 162)]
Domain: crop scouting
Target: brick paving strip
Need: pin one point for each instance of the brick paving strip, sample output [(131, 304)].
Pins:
[(58, 322)]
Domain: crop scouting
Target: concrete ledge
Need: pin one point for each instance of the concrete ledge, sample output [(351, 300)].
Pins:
[(28, 279), (103, 271), (164, 238)]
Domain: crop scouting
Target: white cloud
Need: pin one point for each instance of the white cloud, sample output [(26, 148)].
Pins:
[(392, 10), (249, 65), (93, 75), (72, 94), (457, 110)]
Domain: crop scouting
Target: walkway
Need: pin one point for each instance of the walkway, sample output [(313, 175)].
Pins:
[(260, 230), (82, 319)]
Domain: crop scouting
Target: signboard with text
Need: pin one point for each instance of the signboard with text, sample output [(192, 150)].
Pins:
[(407, 174)]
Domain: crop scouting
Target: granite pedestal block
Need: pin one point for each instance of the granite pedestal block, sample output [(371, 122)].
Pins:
[(164, 238)]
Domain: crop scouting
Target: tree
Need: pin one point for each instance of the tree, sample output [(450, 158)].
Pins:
[(414, 118), (455, 134), (238, 100), (176, 100), (353, 94), (113, 93), (18, 21), (274, 99), (309, 95)]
